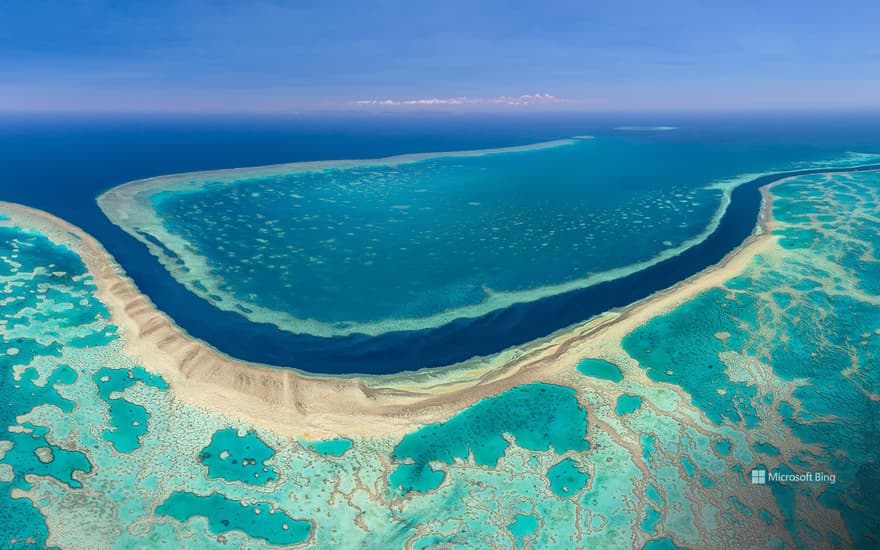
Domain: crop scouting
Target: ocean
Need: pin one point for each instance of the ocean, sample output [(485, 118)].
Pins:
[(62, 163)]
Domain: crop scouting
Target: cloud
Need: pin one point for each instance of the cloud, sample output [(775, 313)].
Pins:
[(525, 99)]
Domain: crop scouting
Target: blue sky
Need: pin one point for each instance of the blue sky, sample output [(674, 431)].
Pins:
[(299, 56)]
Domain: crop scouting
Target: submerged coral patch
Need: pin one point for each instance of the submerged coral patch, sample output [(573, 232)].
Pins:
[(259, 520), (235, 457), (537, 417)]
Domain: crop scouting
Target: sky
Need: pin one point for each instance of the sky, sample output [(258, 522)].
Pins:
[(295, 56)]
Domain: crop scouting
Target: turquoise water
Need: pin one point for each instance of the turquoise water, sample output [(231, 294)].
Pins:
[(523, 526), (815, 309), (649, 523), (766, 448), (538, 417), (258, 521), (598, 368), (628, 404), (331, 447), (378, 246), (723, 446), (23, 386), (775, 369), (239, 458), (128, 421), (566, 479)]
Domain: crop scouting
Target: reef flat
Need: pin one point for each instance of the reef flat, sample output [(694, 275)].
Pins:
[(120, 431)]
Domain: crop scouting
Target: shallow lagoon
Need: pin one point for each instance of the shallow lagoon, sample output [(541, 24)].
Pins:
[(412, 243), (359, 245)]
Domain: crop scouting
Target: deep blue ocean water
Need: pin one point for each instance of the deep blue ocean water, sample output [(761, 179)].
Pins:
[(61, 163)]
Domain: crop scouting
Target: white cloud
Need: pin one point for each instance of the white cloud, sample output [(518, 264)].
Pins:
[(525, 99)]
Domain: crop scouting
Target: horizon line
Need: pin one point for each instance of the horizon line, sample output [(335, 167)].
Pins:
[(425, 110)]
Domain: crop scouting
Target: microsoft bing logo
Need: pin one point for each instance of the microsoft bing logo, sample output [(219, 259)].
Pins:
[(759, 477)]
